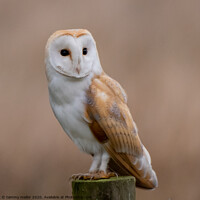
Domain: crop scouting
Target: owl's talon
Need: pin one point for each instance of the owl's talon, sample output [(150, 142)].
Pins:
[(76, 176), (94, 176)]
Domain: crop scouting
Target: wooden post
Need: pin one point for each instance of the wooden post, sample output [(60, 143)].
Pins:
[(116, 188)]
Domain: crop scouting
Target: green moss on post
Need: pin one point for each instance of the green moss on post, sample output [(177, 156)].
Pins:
[(116, 188)]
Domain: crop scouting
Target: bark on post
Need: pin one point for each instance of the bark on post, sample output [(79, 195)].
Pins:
[(117, 188)]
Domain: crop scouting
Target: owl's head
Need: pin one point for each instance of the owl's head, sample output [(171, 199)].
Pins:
[(72, 53)]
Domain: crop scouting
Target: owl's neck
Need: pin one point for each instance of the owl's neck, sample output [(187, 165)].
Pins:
[(63, 89)]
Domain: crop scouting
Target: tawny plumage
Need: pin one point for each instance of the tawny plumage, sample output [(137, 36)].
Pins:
[(92, 109)]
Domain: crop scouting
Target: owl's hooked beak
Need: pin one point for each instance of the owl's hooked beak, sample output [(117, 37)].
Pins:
[(78, 69)]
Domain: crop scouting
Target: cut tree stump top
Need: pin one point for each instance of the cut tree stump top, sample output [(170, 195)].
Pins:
[(116, 188)]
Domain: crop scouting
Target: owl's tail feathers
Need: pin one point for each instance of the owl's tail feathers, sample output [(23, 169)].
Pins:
[(140, 168)]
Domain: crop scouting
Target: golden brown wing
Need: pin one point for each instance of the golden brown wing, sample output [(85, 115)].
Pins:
[(113, 126), (110, 112)]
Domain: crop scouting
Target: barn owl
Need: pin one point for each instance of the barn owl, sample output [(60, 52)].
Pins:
[(92, 109)]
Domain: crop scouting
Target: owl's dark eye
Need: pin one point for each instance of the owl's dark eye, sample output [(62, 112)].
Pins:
[(64, 52), (84, 51)]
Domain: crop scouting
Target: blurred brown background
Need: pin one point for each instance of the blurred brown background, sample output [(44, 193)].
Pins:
[(151, 47)]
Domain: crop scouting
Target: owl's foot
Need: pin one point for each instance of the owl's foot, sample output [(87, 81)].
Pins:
[(79, 176), (93, 176), (104, 175)]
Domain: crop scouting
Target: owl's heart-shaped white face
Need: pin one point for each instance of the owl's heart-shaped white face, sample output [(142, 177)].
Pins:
[(71, 55)]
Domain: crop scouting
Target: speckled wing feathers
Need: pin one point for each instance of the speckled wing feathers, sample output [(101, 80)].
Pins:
[(107, 107), (111, 123)]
